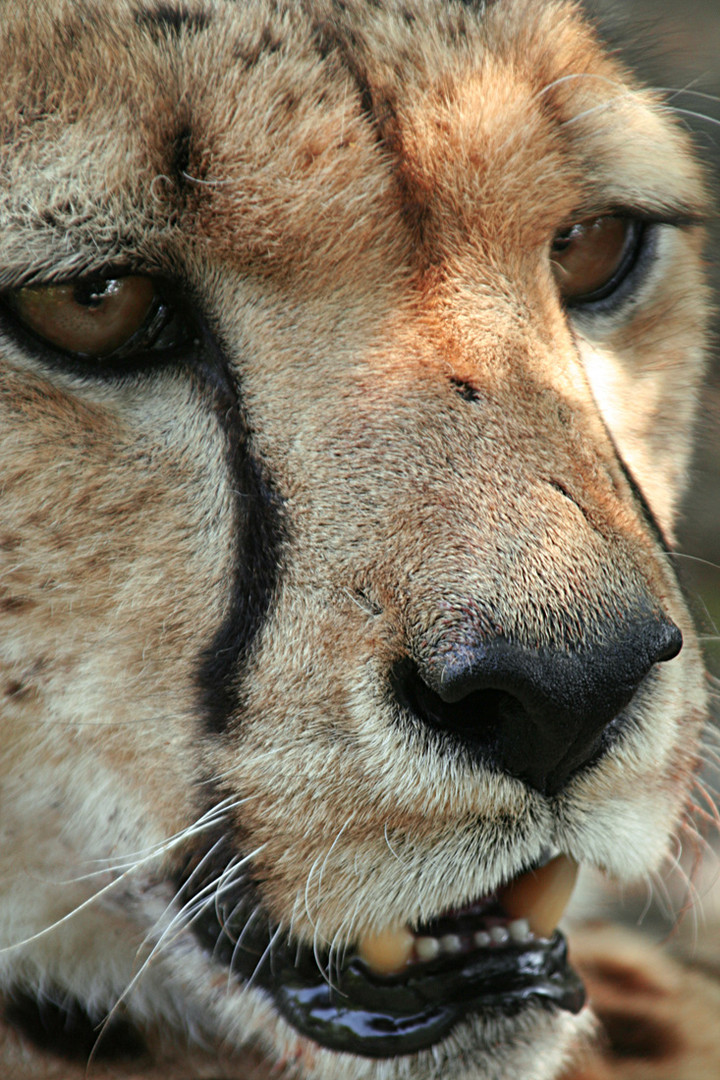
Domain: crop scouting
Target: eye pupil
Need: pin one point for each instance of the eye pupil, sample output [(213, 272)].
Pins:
[(561, 243), (92, 294), (564, 239)]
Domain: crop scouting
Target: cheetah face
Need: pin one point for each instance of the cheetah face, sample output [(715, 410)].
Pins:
[(348, 362)]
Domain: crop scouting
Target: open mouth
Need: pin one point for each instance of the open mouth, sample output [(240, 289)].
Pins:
[(403, 990)]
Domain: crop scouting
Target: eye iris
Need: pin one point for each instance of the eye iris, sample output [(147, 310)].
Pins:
[(89, 318), (588, 259)]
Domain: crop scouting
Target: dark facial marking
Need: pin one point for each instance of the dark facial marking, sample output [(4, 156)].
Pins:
[(377, 104), (250, 53), (465, 389), (171, 19), (331, 40), (15, 604), (181, 156), (646, 513), (633, 1035), (260, 535)]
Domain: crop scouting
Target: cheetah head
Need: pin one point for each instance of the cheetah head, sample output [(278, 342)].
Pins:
[(348, 361)]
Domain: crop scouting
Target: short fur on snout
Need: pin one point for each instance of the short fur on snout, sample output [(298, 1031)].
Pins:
[(383, 445)]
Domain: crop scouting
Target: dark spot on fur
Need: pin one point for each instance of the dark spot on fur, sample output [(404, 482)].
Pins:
[(181, 155), (250, 54), (324, 45), (564, 414), (635, 1035), (57, 216), (366, 600), (465, 389), (14, 604), (14, 689), (65, 1029), (288, 101), (329, 41), (171, 19)]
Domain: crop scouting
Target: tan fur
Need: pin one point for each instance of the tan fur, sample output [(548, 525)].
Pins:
[(348, 271)]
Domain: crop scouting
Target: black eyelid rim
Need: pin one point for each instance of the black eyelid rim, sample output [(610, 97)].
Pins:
[(47, 278), (677, 217)]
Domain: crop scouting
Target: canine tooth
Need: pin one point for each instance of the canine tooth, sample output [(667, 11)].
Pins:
[(451, 943), (427, 948), (482, 939), (519, 930), (388, 951), (500, 935), (541, 896)]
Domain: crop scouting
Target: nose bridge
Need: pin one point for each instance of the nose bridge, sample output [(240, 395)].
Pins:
[(527, 518), (475, 474), (535, 571)]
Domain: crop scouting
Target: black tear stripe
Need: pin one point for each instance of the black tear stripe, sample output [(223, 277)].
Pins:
[(260, 536)]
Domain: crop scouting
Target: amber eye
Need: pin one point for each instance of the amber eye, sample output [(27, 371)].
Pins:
[(590, 259), (90, 318)]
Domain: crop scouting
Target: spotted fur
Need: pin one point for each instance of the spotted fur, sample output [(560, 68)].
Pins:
[(384, 442)]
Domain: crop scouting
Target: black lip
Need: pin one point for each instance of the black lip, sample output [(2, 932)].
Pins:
[(350, 1009), (384, 1018)]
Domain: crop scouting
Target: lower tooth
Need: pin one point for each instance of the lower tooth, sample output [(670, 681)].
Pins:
[(427, 948), (519, 930), (451, 943), (500, 935), (482, 939)]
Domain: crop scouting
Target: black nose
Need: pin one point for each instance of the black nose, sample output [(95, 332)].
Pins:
[(538, 714)]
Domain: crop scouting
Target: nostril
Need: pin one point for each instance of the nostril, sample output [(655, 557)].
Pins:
[(670, 642), (473, 718)]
